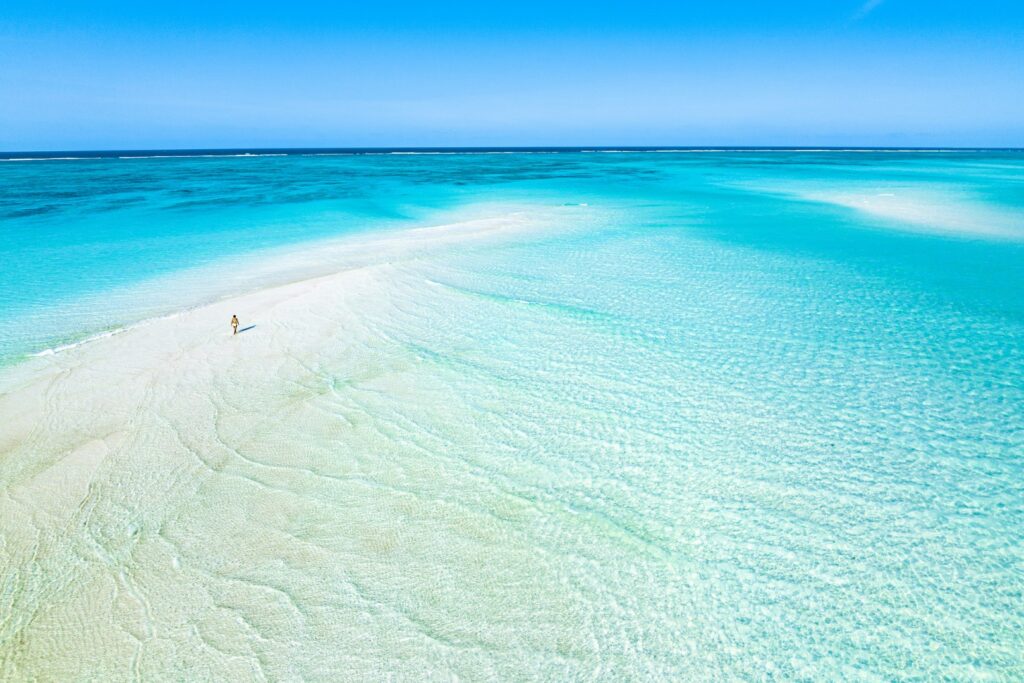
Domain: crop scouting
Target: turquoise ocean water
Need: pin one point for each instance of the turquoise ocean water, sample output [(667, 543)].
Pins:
[(761, 415)]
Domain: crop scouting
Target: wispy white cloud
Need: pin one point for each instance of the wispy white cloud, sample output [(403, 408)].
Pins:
[(866, 9)]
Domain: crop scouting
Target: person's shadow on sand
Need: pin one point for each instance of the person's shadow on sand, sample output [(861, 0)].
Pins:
[(246, 329)]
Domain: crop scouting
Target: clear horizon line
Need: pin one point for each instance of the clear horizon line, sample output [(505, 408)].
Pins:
[(221, 151)]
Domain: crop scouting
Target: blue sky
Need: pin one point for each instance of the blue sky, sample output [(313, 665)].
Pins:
[(114, 74)]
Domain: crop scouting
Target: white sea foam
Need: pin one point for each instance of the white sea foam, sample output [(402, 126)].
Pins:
[(357, 152), (48, 158), (106, 334), (201, 156), (73, 345)]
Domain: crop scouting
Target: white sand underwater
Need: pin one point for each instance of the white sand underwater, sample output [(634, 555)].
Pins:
[(181, 503), (545, 442)]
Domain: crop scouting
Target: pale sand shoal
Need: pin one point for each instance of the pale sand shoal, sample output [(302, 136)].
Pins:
[(109, 448)]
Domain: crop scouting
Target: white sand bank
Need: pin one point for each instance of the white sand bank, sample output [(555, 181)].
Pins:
[(919, 208), (178, 502)]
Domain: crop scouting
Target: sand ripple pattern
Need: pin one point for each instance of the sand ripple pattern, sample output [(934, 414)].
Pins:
[(578, 454)]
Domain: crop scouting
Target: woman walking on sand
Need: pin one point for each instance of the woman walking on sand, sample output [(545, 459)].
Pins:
[(234, 324)]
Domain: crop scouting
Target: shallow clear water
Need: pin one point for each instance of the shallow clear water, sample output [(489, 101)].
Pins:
[(749, 415), (88, 244)]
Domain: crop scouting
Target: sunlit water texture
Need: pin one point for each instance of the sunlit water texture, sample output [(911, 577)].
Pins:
[(632, 416)]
